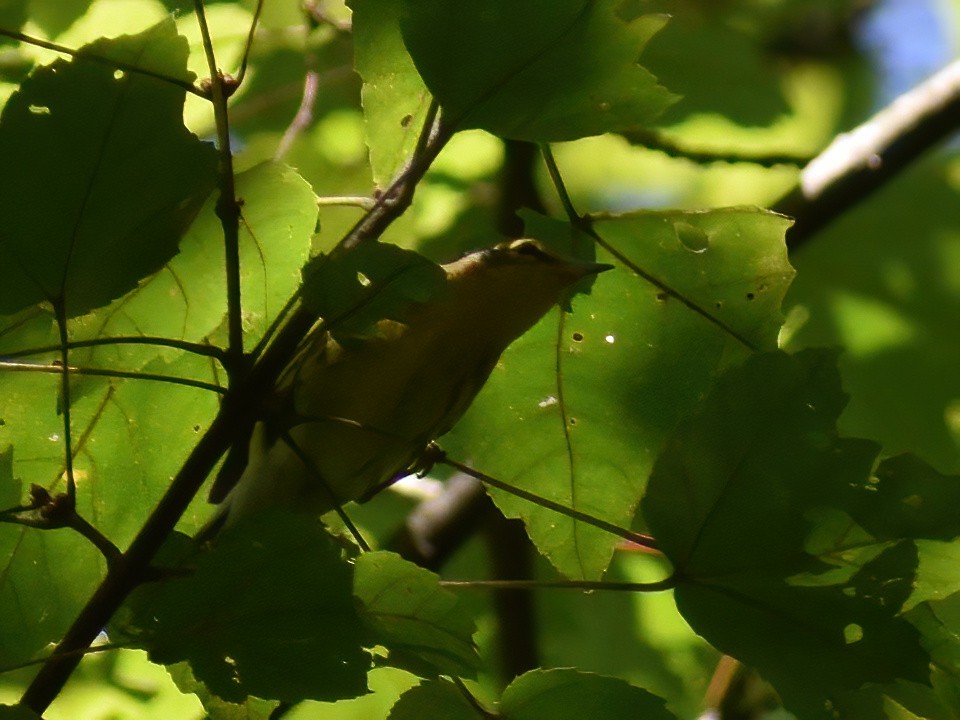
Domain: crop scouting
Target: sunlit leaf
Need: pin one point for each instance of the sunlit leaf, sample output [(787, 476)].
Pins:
[(394, 98), (543, 70), (433, 698), (187, 299), (579, 407), (423, 626), (566, 694)]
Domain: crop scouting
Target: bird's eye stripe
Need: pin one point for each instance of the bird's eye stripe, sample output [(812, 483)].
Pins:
[(532, 249)]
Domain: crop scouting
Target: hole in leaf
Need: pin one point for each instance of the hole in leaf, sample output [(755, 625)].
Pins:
[(406, 120), (750, 296), (852, 633), (363, 279), (39, 109), (119, 74), (691, 237), (577, 337)]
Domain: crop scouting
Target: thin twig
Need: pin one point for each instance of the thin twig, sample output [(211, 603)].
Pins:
[(86, 55), (242, 72), (319, 17), (228, 209), (103, 372), (635, 537), (585, 224), (397, 198), (388, 206), (304, 115), (54, 512), (308, 97)]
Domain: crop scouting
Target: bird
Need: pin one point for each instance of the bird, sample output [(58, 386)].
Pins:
[(347, 418)]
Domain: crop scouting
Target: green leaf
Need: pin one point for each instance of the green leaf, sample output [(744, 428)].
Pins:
[(268, 612), (543, 70), (424, 627), (906, 498), (17, 712), (126, 449), (730, 262), (567, 694), (354, 289), (186, 300), (394, 98), (216, 707), (578, 408), (683, 56), (732, 502), (433, 699), (45, 576), (93, 201)]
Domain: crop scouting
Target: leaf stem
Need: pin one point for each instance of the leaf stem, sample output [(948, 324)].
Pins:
[(360, 201), (318, 476), (194, 348), (64, 372), (58, 369), (86, 55), (634, 537), (81, 652), (560, 186), (588, 585)]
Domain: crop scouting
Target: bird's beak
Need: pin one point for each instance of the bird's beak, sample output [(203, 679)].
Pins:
[(587, 268)]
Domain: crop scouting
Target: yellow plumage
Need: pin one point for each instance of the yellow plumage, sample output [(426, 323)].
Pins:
[(364, 412)]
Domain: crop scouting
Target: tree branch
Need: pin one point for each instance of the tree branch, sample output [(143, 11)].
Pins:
[(856, 164)]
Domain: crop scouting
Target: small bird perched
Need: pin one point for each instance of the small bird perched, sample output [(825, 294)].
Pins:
[(361, 413)]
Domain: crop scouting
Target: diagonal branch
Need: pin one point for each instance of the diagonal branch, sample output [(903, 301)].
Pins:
[(858, 163)]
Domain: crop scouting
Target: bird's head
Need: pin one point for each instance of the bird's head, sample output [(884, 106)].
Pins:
[(507, 288)]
